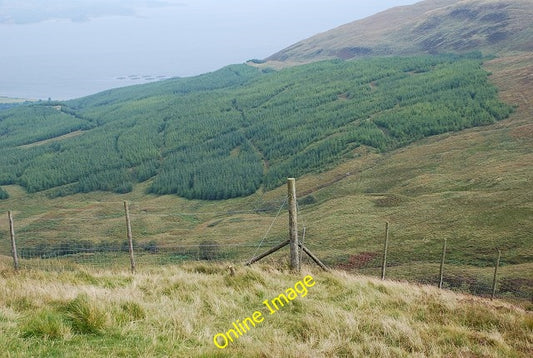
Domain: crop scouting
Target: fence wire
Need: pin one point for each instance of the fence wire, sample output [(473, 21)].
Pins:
[(68, 240)]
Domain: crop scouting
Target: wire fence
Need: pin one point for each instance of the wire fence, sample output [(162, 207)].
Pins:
[(67, 239)]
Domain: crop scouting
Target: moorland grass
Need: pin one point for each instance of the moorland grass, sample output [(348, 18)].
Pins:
[(176, 311)]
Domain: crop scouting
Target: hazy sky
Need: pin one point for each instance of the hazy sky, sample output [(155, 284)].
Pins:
[(70, 48)]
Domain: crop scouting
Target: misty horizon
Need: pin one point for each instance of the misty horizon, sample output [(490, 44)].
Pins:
[(63, 50)]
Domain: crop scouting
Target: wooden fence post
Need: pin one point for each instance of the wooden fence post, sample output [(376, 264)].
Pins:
[(385, 248), (130, 238), (293, 225), (13, 243), (441, 274), (495, 273)]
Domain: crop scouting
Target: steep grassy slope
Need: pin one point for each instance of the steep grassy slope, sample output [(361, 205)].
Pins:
[(432, 26), (177, 311)]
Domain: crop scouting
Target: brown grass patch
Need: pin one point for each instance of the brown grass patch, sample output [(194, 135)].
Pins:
[(523, 132)]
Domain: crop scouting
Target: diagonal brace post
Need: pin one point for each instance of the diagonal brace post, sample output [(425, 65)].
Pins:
[(265, 254)]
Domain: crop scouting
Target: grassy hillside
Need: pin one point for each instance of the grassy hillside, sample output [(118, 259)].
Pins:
[(174, 311), (431, 26)]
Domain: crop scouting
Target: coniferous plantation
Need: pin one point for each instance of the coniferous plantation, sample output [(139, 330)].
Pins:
[(228, 133)]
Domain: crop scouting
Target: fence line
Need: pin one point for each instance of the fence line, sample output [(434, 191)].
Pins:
[(119, 248)]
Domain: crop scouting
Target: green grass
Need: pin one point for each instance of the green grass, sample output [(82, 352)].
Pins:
[(46, 325), (176, 311), (85, 317)]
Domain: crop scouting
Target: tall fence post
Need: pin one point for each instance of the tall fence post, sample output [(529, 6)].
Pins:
[(385, 249), (441, 274), (495, 273), (13, 243), (130, 238), (293, 225)]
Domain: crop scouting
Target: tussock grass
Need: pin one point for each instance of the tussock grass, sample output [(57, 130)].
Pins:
[(85, 316), (176, 311), (45, 324)]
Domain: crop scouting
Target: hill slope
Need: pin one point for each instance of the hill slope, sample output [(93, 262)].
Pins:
[(472, 187), (431, 26), (228, 133), (175, 311)]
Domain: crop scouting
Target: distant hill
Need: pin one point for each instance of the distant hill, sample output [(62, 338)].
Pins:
[(431, 26)]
